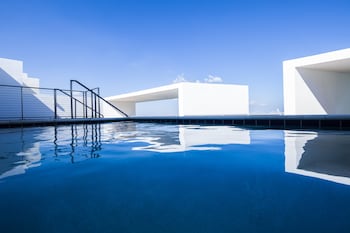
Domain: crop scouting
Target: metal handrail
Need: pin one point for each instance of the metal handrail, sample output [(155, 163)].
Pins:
[(40, 88), (95, 103), (24, 87), (98, 96), (62, 91)]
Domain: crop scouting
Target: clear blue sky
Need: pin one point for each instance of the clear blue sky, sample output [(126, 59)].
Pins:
[(129, 45)]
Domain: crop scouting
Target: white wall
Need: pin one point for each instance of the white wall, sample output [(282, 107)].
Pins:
[(168, 107), (289, 74), (314, 92), (11, 73), (328, 89), (108, 111), (318, 84), (193, 99), (17, 102), (10, 102), (13, 69), (199, 99), (31, 82)]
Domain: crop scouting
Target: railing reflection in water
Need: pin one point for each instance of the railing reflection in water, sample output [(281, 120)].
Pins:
[(24, 148), (322, 154), (84, 142)]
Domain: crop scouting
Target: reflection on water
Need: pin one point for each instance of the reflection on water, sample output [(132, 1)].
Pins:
[(178, 138), (323, 155), (113, 178), (27, 147), (24, 148), (80, 142), (19, 151), (194, 138)]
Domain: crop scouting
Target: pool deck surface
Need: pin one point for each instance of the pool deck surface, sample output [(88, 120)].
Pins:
[(332, 122)]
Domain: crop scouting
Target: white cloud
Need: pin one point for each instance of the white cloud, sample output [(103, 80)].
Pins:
[(213, 79), (180, 78)]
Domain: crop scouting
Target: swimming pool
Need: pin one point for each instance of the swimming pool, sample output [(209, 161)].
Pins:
[(143, 177)]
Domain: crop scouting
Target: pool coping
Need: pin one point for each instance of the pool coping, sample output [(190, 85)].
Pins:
[(332, 122)]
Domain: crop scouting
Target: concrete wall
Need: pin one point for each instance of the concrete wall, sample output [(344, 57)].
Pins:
[(24, 99), (21, 97), (193, 99), (33, 104), (108, 111), (16, 102), (318, 84), (322, 92), (11, 73), (199, 99), (315, 92), (167, 107)]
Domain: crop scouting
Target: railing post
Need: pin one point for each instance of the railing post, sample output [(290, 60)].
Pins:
[(75, 108), (22, 114), (71, 99), (85, 104), (99, 103), (95, 105), (92, 104), (55, 101)]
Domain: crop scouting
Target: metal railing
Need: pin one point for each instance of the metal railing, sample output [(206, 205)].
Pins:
[(95, 99), (28, 103), (25, 103), (74, 102)]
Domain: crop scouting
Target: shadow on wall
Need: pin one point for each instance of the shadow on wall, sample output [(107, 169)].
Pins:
[(12, 99), (329, 88)]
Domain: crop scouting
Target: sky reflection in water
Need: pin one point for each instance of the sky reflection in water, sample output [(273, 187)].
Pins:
[(134, 177)]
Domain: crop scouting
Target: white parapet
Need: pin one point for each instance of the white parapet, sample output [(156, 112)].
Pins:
[(11, 73), (194, 99), (204, 99), (317, 85)]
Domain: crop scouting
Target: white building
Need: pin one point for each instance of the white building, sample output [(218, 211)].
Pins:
[(11, 73), (317, 85), (22, 98), (194, 99)]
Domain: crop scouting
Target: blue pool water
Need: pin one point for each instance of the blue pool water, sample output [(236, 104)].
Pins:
[(132, 177)]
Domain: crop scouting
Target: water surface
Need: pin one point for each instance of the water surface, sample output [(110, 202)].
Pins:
[(131, 177)]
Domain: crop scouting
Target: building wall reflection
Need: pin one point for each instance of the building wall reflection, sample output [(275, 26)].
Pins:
[(322, 155), (194, 138)]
